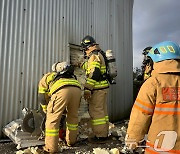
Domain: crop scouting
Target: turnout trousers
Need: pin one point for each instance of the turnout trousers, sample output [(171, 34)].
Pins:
[(98, 112), (67, 98)]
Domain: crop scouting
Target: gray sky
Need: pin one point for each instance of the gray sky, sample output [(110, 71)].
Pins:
[(154, 21)]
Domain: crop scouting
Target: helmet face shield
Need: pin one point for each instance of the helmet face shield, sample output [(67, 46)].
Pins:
[(165, 51)]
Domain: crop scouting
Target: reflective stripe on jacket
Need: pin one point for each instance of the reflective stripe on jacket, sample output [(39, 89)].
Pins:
[(95, 68), (156, 111), (47, 85)]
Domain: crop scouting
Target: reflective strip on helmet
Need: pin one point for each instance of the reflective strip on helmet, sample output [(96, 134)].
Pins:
[(62, 82), (163, 49), (52, 132), (144, 107), (72, 126), (42, 90), (171, 49), (87, 41), (99, 121)]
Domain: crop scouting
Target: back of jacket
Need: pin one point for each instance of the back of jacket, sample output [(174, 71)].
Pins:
[(95, 68), (156, 111)]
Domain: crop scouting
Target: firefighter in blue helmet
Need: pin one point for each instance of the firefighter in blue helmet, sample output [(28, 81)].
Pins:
[(156, 111)]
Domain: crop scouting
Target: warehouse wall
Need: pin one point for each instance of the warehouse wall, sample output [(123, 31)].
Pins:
[(35, 33)]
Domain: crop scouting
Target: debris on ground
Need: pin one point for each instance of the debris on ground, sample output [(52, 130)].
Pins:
[(30, 150), (16, 132), (114, 145)]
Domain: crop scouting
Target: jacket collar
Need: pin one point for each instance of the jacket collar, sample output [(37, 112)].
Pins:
[(167, 66), (91, 49)]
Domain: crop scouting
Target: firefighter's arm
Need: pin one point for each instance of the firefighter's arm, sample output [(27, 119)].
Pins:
[(84, 65), (42, 93), (141, 114), (93, 72)]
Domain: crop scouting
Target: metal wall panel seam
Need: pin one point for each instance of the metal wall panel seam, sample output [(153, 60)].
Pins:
[(5, 60), (41, 33), (37, 50), (57, 32), (1, 60), (12, 66), (16, 65), (20, 58)]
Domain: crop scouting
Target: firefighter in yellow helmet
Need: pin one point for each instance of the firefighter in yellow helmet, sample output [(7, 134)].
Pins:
[(96, 88), (156, 111), (64, 93)]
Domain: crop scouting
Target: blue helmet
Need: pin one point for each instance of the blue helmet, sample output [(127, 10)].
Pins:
[(164, 51)]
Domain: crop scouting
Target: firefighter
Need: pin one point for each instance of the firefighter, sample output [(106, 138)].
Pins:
[(96, 88), (147, 66), (156, 111), (64, 93)]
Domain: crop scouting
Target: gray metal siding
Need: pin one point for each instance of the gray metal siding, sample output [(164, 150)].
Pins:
[(35, 33)]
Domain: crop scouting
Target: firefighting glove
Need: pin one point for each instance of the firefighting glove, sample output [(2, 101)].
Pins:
[(130, 144), (44, 108), (87, 94)]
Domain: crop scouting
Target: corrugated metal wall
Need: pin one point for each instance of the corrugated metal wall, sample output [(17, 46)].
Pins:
[(35, 33)]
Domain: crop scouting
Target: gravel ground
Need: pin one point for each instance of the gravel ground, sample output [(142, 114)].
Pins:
[(7, 148), (116, 140), (82, 147)]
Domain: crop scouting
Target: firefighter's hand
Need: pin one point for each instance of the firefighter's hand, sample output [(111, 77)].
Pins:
[(87, 94), (130, 144), (44, 108)]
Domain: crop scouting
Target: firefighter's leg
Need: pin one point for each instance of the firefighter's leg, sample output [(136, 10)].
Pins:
[(97, 113), (55, 109), (72, 115), (105, 109)]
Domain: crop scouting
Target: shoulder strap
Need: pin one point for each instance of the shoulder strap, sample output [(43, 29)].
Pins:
[(105, 59)]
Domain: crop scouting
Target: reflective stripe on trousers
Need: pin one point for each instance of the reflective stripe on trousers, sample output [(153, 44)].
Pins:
[(72, 126), (52, 132), (100, 121)]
